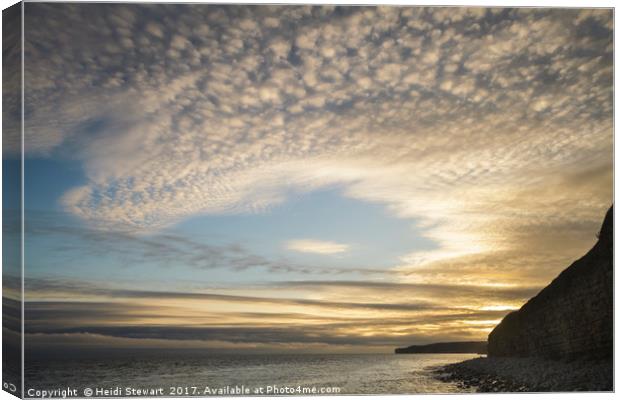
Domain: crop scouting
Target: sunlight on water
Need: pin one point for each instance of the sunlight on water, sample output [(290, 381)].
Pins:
[(353, 374)]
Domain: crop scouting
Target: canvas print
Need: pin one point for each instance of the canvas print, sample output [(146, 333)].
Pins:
[(212, 199)]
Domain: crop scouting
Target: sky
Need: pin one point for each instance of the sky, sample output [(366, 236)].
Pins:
[(295, 178)]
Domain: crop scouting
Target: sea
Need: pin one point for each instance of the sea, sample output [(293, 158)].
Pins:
[(239, 375)]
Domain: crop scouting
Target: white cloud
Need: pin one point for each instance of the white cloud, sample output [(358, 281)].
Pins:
[(155, 29), (435, 121), (316, 246)]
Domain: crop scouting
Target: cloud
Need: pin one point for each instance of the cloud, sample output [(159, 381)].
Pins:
[(491, 127), (169, 248), (12, 88), (428, 296), (197, 318), (425, 290), (163, 138), (260, 335), (316, 246)]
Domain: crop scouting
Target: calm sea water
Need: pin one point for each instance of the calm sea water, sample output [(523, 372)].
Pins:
[(351, 374)]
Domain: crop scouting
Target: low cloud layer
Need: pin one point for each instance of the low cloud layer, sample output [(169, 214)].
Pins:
[(361, 315)]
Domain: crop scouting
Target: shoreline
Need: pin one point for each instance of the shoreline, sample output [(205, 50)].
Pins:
[(508, 374)]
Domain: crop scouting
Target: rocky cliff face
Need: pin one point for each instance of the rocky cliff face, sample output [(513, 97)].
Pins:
[(570, 318)]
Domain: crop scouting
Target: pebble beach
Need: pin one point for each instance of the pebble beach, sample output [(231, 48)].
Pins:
[(528, 375)]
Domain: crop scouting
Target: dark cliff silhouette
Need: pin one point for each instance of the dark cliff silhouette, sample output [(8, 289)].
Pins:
[(571, 318), (445, 347)]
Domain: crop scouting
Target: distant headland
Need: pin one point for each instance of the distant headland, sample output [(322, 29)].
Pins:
[(445, 347)]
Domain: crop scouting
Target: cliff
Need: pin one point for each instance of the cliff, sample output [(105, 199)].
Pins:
[(446, 347), (571, 318)]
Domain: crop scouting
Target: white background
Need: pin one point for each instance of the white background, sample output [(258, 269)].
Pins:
[(540, 3)]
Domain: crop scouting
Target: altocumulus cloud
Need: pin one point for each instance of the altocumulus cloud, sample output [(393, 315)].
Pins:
[(440, 114)]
